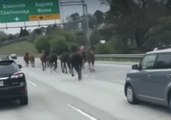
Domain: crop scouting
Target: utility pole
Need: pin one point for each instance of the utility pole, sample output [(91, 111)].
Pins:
[(85, 25)]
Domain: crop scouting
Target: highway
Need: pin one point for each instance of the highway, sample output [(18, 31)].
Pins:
[(99, 96)]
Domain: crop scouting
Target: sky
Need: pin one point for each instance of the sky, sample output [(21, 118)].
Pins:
[(65, 11)]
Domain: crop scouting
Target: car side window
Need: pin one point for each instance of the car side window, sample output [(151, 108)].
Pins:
[(148, 62), (163, 61)]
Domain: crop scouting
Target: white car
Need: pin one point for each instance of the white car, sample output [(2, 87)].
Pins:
[(13, 56)]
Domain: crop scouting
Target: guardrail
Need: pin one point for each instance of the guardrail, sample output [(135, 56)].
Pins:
[(8, 42), (119, 56)]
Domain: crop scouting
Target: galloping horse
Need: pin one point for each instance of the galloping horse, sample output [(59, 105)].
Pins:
[(29, 58), (88, 56), (91, 60), (26, 59), (65, 61), (76, 62), (32, 60), (84, 56), (52, 60), (43, 59)]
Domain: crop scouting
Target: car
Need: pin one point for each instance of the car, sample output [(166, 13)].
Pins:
[(5, 57), (13, 56), (150, 81), (12, 82)]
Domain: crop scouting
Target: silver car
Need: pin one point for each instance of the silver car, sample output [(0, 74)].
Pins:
[(150, 81)]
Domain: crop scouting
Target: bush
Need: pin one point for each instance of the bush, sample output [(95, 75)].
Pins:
[(59, 45), (103, 49), (42, 42)]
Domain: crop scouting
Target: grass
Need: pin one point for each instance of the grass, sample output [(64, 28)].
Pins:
[(19, 48)]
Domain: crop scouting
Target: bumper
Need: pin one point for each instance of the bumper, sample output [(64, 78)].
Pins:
[(12, 92)]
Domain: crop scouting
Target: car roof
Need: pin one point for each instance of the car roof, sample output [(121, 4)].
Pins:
[(5, 57), (160, 51)]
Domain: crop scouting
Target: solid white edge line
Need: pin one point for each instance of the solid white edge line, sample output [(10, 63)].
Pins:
[(32, 83), (82, 112)]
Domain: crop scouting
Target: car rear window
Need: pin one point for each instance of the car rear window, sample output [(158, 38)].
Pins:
[(8, 67), (163, 61)]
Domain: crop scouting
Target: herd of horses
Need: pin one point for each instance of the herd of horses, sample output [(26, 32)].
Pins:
[(70, 60)]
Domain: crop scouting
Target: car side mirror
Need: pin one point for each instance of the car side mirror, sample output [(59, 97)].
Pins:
[(135, 67), (20, 66)]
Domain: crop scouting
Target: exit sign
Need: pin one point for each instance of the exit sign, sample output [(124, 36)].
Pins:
[(28, 10)]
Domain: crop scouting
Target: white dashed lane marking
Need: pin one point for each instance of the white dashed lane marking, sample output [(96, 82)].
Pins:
[(82, 112), (32, 83)]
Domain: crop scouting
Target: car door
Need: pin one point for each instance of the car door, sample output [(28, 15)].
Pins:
[(141, 81), (159, 77)]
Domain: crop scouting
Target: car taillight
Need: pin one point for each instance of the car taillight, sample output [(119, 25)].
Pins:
[(17, 75)]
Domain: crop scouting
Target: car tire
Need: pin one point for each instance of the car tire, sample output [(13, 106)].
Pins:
[(169, 102), (130, 95), (24, 100)]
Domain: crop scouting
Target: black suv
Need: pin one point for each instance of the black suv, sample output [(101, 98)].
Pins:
[(12, 82)]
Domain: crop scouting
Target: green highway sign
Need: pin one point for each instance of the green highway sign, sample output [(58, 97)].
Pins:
[(28, 10)]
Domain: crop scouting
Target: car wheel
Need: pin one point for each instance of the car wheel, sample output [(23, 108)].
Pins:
[(169, 102), (24, 100), (130, 95)]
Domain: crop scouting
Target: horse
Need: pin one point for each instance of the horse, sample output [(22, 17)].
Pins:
[(52, 61), (65, 61), (76, 62), (29, 58), (43, 59), (26, 59), (32, 60), (84, 56), (91, 60)]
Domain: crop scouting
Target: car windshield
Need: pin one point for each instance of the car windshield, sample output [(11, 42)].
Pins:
[(85, 59)]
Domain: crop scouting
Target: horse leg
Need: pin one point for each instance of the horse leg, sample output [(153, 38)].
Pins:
[(83, 63), (80, 73), (55, 65), (93, 65), (89, 66), (78, 69), (62, 66), (65, 67), (72, 70), (69, 67), (43, 66), (50, 67)]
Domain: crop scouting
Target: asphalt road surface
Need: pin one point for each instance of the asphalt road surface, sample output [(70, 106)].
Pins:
[(99, 96)]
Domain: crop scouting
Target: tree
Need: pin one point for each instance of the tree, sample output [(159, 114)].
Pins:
[(24, 32), (42, 43), (59, 45), (132, 19), (3, 36), (99, 15)]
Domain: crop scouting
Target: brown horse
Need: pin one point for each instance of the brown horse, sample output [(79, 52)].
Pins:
[(88, 56), (29, 58), (91, 60), (32, 60), (43, 59), (84, 56), (26, 59)]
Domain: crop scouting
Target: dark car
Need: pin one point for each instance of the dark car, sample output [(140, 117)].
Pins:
[(12, 82)]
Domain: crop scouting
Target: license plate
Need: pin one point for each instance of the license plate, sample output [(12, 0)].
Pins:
[(1, 83)]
